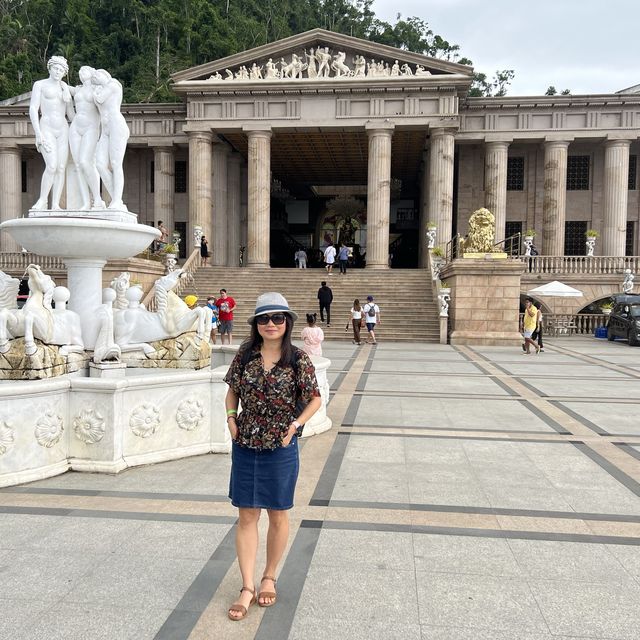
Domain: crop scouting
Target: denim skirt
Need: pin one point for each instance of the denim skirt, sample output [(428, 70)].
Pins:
[(264, 479)]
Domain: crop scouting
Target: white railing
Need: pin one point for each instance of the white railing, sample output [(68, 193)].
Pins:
[(189, 267), (571, 324), (597, 265), (18, 261)]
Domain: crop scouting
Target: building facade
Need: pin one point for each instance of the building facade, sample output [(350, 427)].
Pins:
[(324, 137)]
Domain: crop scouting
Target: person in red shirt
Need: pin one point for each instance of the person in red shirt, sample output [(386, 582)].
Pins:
[(226, 304)]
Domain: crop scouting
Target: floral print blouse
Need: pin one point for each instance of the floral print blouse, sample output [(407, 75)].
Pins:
[(269, 398)]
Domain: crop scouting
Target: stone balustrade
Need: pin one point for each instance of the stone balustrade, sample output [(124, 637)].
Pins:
[(20, 260), (597, 265), (189, 267)]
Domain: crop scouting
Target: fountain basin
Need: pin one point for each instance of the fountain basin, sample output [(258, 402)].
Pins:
[(80, 238)]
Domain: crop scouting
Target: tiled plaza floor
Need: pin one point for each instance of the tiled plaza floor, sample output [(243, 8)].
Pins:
[(462, 494)]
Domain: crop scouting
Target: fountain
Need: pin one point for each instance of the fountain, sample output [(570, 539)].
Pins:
[(90, 380)]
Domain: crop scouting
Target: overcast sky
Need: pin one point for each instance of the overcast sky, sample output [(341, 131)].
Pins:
[(587, 46)]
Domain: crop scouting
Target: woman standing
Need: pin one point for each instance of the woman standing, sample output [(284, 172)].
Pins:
[(204, 251), (356, 321), (270, 377), (312, 336)]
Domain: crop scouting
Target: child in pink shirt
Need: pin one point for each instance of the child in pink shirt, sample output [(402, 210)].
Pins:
[(312, 336)]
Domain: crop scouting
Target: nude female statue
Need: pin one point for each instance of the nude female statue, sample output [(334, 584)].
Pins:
[(49, 109), (83, 140), (114, 134)]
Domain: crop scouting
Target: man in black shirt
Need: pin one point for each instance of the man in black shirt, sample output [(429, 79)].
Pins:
[(325, 296)]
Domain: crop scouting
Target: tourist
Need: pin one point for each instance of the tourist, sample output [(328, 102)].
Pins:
[(211, 303), (226, 304), (330, 257), (204, 251), (357, 321), (529, 325), (301, 258), (371, 313), (325, 296), (312, 336), (191, 301), (343, 258), (272, 380), (537, 334), (49, 108), (114, 133)]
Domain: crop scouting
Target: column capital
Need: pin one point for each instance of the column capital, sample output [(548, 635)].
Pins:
[(558, 140), (497, 144), (442, 131), (200, 135), (380, 128), (9, 148), (160, 143), (254, 131), (617, 142)]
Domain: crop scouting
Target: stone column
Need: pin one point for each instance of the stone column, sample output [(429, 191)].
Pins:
[(378, 194), (218, 242), (424, 211), (555, 197), (441, 183), (164, 187), (495, 183), (199, 185), (616, 192), (244, 205), (259, 193), (233, 209), (10, 192)]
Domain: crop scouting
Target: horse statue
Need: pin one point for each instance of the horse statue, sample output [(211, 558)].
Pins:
[(135, 327), (38, 319)]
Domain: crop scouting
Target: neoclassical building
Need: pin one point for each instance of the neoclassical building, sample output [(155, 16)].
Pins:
[(264, 142)]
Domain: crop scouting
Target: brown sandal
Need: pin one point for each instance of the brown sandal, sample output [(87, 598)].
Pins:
[(267, 594), (240, 607)]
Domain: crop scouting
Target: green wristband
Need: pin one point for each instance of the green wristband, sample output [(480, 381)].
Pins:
[(232, 412)]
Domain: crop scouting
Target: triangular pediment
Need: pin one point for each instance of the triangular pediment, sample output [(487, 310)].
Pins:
[(306, 56)]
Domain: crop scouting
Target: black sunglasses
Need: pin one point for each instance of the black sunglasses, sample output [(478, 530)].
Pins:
[(276, 318)]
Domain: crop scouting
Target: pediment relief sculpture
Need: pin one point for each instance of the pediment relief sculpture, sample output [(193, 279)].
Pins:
[(320, 63)]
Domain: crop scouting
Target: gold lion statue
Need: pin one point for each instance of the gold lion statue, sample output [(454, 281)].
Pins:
[(482, 233)]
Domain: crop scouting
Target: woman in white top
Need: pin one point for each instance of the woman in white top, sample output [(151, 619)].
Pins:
[(330, 257), (356, 320)]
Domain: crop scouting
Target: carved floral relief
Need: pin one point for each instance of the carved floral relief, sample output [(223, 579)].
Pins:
[(144, 420), (89, 426), (7, 436), (49, 429), (189, 414)]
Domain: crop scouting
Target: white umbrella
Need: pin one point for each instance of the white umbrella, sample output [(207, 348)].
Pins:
[(556, 289)]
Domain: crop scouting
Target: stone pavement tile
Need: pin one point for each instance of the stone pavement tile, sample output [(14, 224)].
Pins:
[(19, 616), (459, 494), (575, 561), (372, 449), (600, 610), (530, 370), (458, 520), (372, 550), (311, 628), (71, 621), (371, 482), (587, 389), (428, 451), (435, 384), (175, 540), (355, 514), (123, 579), (425, 367), (555, 525), (478, 602), (628, 556), (443, 473), (462, 555), (456, 633), (46, 576), (621, 529), (607, 500), (611, 417), (352, 593), (505, 497), (19, 531)]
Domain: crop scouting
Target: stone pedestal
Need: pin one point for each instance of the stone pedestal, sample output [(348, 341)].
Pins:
[(616, 193), (10, 192), (485, 301)]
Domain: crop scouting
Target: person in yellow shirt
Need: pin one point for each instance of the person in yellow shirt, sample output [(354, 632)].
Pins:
[(529, 325)]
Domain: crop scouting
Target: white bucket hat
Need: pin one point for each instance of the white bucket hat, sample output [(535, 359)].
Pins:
[(272, 302)]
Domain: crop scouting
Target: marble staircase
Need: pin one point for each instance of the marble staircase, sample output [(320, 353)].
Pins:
[(407, 308)]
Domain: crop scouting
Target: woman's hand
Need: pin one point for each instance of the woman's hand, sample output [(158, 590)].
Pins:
[(286, 441), (232, 426)]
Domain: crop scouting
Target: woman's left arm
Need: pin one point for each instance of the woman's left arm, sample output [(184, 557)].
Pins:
[(314, 404)]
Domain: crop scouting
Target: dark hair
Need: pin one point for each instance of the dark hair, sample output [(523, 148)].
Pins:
[(159, 221), (323, 283), (254, 342), (311, 318), (356, 305), (529, 300), (221, 290)]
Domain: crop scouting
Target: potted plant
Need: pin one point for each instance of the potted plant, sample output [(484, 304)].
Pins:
[(591, 234), (444, 287), (431, 225), (606, 307), (530, 233), (437, 252), (170, 249)]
